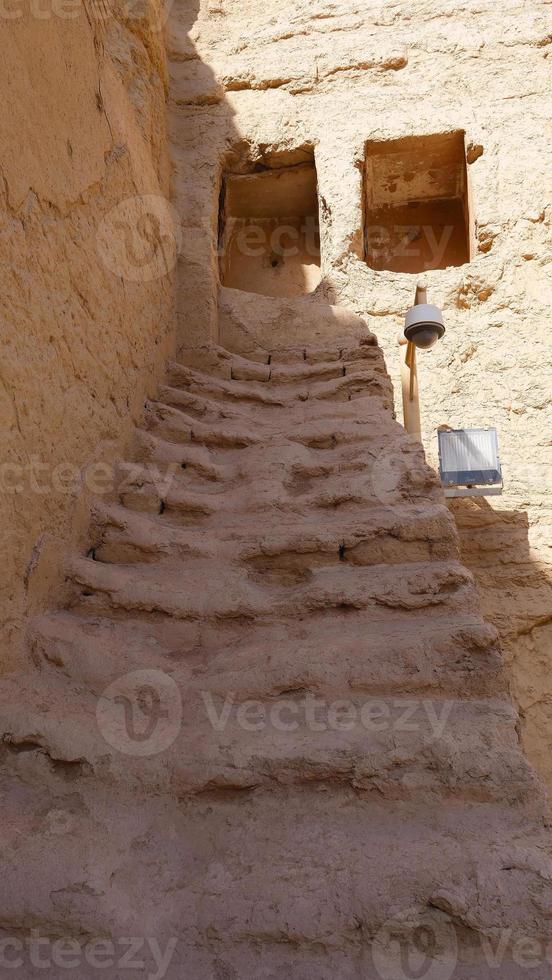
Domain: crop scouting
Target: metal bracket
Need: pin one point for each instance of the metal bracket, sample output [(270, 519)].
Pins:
[(473, 491)]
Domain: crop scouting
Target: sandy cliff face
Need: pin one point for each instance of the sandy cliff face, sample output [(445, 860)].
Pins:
[(260, 87), (82, 129), (266, 732)]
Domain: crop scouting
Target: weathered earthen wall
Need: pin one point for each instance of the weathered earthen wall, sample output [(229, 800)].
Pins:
[(253, 82), (263, 549), (85, 334)]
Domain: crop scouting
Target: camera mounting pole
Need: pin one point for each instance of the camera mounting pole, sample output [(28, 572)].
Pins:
[(409, 384)]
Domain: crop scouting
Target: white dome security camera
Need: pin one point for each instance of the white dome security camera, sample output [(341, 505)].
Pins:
[(424, 325)]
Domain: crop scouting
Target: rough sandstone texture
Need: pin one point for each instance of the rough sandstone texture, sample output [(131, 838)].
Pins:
[(276, 535), (82, 129), (255, 82)]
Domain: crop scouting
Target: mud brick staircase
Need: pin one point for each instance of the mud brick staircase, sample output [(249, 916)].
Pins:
[(277, 537)]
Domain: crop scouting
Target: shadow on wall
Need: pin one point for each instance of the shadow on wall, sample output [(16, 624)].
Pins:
[(201, 130), (516, 591), (516, 597), (249, 213)]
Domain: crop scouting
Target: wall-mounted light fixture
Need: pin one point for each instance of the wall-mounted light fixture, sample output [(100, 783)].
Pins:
[(469, 462), (424, 326)]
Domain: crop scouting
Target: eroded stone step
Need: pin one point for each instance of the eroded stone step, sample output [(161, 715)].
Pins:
[(207, 587), (220, 388), (200, 407), (152, 451), (380, 536), (453, 657), (176, 426), (278, 481), (339, 381), (218, 361), (398, 749)]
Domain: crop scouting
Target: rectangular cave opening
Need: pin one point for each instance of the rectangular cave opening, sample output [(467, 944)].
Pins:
[(417, 203), (269, 239)]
